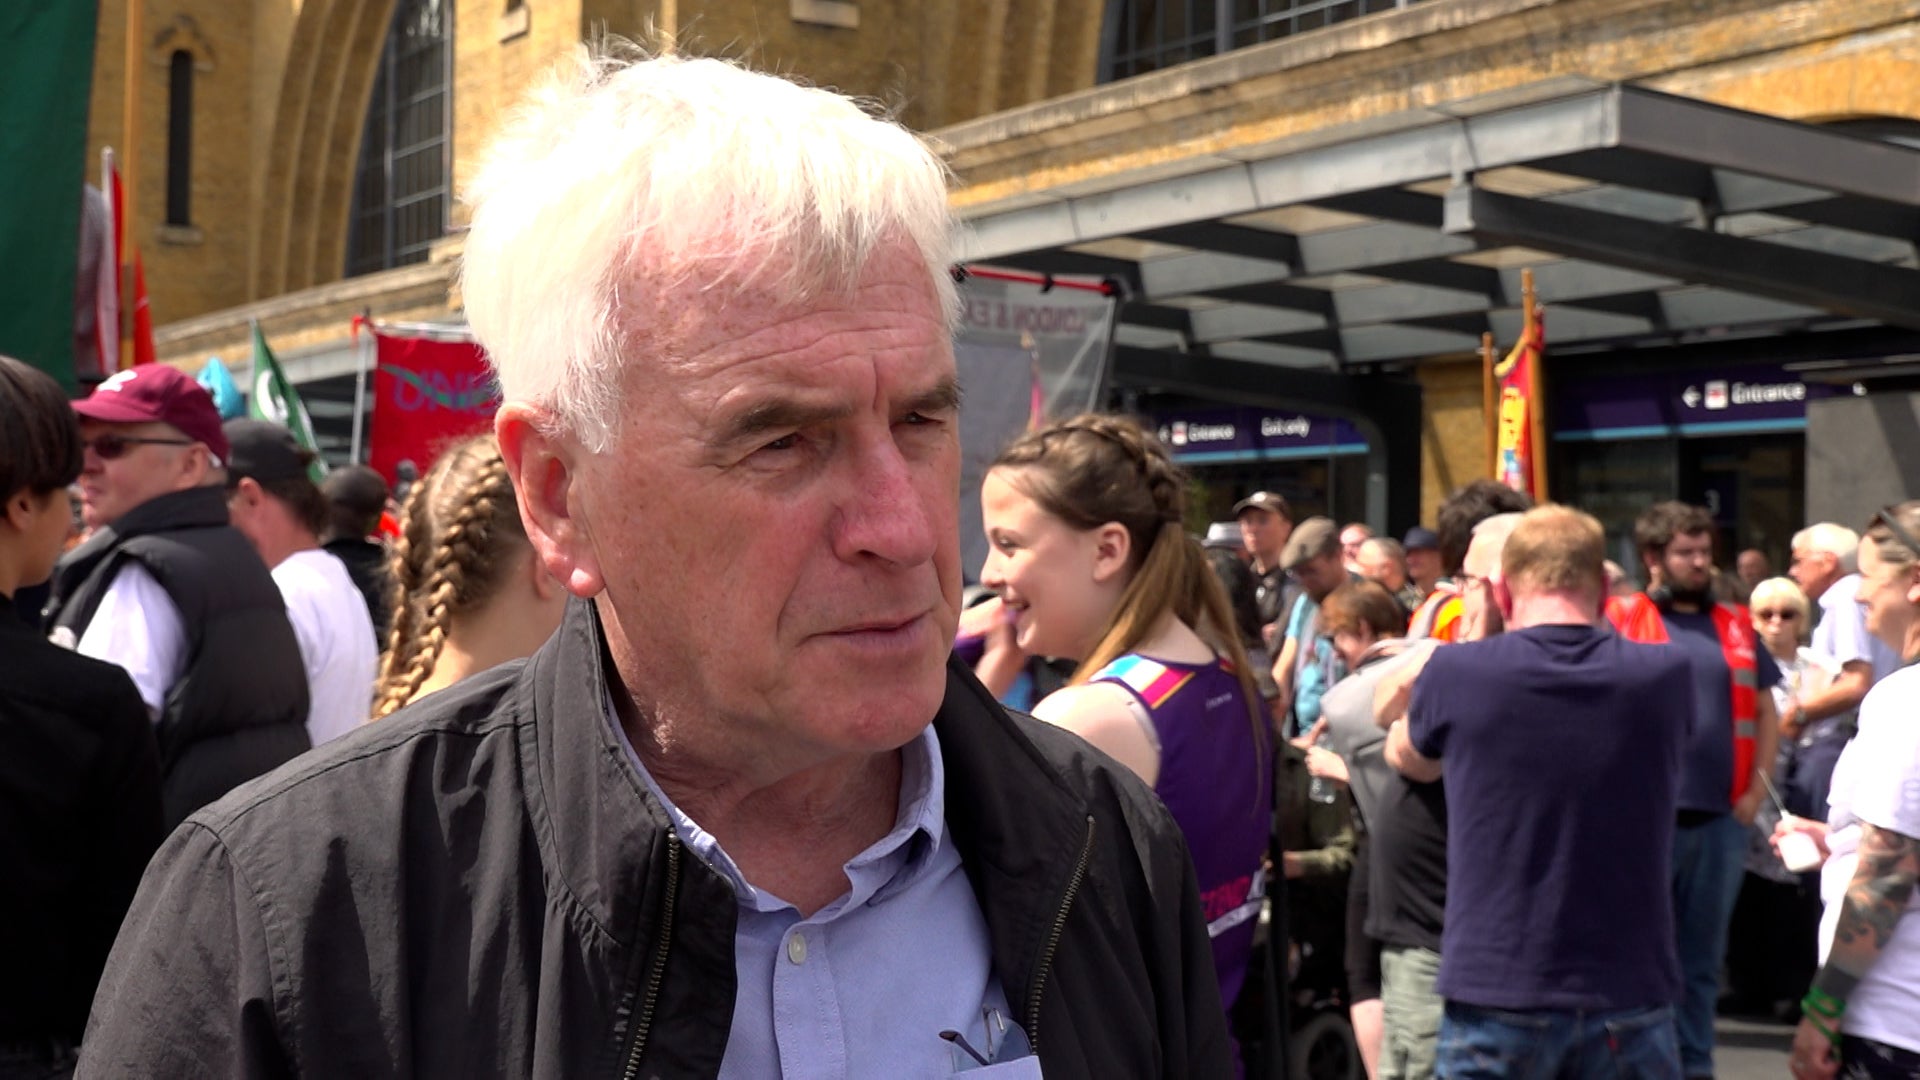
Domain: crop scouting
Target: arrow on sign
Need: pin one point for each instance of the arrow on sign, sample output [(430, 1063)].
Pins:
[(1691, 397)]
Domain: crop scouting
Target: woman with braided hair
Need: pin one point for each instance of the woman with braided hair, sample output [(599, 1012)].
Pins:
[(468, 592), (1091, 558)]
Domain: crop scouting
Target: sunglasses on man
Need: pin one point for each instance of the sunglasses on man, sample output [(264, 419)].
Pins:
[(110, 446)]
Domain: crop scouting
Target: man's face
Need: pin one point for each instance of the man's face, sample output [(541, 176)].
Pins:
[(1321, 575), (1264, 533), (1887, 592), (247, 509), (1814, 571), (1423, 565), (776, 527), (1351, 538), (1480, 614), (138, 471), (1752, 566), (1379, 565), (1687, 562)]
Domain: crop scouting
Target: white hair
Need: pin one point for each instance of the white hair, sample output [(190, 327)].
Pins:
[(1836, 540), (624, 176), (1493, 533)]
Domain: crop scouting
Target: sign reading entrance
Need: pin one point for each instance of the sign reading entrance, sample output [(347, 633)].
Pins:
[(1242, 434), (1684, 402)]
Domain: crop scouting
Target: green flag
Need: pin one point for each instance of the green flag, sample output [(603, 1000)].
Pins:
[(46, 76), (275, 399)]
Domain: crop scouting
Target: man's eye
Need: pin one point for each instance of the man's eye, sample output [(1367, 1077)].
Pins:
[(784, 442)]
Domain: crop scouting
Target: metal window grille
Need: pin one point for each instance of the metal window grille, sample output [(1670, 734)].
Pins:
[(401, 192), (1146, 35)]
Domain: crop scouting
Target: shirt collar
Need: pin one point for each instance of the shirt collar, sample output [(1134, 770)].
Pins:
[(883, 869)]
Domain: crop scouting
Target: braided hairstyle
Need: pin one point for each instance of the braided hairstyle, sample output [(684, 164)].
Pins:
[(459, 531), (1095, 469)]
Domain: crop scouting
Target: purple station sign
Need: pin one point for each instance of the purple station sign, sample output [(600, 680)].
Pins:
[(1224, 434), (1698, 401)]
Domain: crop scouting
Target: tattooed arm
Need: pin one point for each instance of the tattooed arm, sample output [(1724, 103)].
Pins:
[(1875, 900)]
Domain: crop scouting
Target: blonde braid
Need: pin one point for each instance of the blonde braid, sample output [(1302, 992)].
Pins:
[(404, 573), (436, 578)]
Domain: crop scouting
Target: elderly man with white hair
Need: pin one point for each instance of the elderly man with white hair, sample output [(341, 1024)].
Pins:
[(740, 817), (1824, 568)]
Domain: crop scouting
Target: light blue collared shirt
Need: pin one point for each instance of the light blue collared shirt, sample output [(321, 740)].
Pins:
[(864, 986)]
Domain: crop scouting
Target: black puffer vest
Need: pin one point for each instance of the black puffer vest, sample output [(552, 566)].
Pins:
[(239, 708)]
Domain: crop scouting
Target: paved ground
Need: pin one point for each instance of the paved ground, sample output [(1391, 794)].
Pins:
[(1750, 1050)]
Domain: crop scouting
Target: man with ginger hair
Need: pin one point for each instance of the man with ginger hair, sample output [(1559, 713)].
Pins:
[(740, 816), (1560, 743)]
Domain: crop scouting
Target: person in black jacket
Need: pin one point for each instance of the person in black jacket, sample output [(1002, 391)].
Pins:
[(166, 588), (740, 815), (79, 775)]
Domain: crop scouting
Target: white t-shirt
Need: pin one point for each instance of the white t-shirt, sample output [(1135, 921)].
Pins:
[(1878, 781), (1842, 633), (138, 627), (336, 641)]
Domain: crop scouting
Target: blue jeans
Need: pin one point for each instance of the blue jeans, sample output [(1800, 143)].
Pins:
[(1707, 863), (1551, 1044)]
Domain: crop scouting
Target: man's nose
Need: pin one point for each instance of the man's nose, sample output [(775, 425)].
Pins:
[(887, 513)]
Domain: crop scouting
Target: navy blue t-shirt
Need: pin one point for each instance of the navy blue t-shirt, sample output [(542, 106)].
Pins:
[(1562, 750), (1706, 779)]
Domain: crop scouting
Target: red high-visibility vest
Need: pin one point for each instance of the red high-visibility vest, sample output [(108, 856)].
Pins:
[(1638, 619)]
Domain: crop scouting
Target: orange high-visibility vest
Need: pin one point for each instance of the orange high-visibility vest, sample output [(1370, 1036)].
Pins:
[(1638, 619)]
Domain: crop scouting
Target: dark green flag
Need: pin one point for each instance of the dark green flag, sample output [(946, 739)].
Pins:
[(46, 77)]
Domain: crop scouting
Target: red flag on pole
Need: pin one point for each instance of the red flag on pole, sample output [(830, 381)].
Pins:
[(428, 393), (1518, 450), (142, 316)]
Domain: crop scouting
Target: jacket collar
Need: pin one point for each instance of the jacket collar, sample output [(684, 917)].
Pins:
[(1017, 825)]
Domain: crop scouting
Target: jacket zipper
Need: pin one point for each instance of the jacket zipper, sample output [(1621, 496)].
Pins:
[(1053, 940), (657, 971)]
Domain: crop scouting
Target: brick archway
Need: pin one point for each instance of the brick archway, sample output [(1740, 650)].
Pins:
[(300, 233)]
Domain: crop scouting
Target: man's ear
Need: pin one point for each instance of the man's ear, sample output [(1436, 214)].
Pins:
[(246, 491), (1112, 543), (545, 473), (544, 586), (1502, 596)]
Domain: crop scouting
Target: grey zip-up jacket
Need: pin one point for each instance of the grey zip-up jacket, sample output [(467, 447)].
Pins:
[(481, 885)]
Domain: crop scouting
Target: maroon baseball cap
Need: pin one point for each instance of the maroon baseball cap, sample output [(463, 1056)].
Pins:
[(157, 393)]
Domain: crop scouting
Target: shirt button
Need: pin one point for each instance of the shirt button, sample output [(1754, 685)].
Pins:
[(797, 949)]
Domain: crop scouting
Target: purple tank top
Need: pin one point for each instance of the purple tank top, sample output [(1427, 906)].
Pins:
[(1217, 780)]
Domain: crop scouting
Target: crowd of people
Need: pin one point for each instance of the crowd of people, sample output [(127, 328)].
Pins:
[(1621, 804), (657, 732)]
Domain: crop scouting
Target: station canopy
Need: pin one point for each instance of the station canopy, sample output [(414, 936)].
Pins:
[(1646, 218)]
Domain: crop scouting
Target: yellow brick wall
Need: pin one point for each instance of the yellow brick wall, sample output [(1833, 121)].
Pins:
[(205, 267), (278, 116)]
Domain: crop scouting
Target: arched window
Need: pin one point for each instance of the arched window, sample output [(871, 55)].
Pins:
[(1139, 36), (179, 137), (400, 190)]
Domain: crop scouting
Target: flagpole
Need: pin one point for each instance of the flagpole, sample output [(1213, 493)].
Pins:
[(1536, 405), (360, 387), (1487, 405), (130, 175)]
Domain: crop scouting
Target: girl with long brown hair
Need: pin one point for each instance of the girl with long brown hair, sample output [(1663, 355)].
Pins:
[(1090, 556)]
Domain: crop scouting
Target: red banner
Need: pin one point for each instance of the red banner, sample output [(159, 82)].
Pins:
[(1517, 462), (428, 394)]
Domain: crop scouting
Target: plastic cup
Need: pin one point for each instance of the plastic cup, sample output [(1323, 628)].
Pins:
[(1799, 851)]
